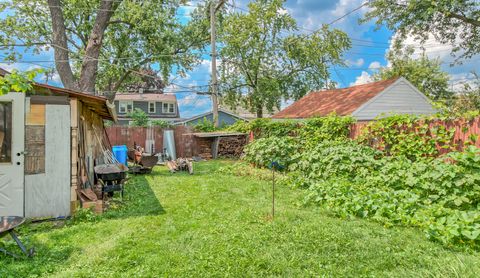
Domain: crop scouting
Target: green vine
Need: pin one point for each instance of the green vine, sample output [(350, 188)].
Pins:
[(409, 136)]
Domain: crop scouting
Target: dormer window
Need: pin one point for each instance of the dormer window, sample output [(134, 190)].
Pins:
[(151, 107), (125, 106), (168, 108)]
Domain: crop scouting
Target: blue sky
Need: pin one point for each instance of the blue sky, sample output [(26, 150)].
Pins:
[(367, 53)]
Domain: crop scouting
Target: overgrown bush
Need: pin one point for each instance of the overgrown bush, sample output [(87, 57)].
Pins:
[(263, 128), (139, 117), (311, 131), (316, 130), (442, 195), (262, 152), (407, 135), (334, 159), (161, 123), (205, 126), (393, 173)]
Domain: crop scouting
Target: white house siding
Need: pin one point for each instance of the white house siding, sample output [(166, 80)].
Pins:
[(48, 194), (399, 98)]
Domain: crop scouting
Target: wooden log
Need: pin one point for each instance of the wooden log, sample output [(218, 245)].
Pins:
[(172, 166)]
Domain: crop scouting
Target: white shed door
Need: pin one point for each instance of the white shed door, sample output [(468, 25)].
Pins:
[(12, 140)]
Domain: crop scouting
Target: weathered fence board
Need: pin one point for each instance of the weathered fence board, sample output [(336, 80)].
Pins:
[(464, 129), (187, 146), (125, 135)]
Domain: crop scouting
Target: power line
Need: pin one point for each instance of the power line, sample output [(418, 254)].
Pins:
[(349, 13), (109, 10)]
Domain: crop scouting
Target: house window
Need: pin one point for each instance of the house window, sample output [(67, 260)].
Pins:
[(125, 106), (168, 108), (151, 107)]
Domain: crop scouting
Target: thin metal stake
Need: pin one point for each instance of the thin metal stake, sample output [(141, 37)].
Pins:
[(273, 192)]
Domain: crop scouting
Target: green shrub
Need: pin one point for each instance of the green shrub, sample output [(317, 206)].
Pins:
[(442, 196), (139, 117), (311, 131), (407, 135), (262, 152), (335, 159), (205, 126), (316, 130), (161, 123)]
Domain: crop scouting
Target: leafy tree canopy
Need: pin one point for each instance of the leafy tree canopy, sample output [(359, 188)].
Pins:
[(101, 45), (263, 62), (456, 22)]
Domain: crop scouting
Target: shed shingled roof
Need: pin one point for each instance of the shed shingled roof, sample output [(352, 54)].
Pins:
[(340, 101), (97, 104)]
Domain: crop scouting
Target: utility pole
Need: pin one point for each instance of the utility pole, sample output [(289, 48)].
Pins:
[(213, 10)]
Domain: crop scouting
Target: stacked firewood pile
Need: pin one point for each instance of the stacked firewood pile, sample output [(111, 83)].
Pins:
[(204, 147), (231, 147)]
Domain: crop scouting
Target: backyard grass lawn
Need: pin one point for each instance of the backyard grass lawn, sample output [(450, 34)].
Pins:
[(212, 224)]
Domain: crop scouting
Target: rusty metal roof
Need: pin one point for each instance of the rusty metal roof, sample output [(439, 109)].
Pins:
[(340, 101)]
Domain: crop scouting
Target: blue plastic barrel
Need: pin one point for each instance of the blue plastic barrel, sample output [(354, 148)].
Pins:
[(120, 153)]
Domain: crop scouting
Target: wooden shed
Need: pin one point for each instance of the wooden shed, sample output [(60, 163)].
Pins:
[(50, 140)]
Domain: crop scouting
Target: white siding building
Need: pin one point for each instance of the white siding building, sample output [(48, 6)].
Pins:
[(363, 102)]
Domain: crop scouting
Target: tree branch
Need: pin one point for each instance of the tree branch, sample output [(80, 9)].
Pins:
[(60, 45), (88, 72), (465, 19), (121, 22), (119, 82)]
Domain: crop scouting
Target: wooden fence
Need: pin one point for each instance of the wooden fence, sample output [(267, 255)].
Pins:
[(125, 135), (464, 129), (187, 146)]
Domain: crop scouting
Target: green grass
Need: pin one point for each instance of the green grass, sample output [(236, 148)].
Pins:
[(212, 224)]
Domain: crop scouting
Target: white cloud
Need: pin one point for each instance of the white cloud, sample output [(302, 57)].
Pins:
[(56, 77), (357, 63), (363, 78), (194, 100), (282, 11), (375, 65), (286, 103), (311, 14), (460, 73), (11, 66)]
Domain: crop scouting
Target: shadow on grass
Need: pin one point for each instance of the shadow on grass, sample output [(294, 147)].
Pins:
[(46, 258), (139, 200)]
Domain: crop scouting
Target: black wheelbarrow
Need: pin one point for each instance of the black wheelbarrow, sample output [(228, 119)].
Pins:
[(7, 226), (111, 177)]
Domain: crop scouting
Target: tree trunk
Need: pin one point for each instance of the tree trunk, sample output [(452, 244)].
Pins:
[(259, 109), (88, 73), (60, 46)]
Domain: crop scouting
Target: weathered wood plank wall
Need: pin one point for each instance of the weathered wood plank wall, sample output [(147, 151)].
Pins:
[(48, 194)]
